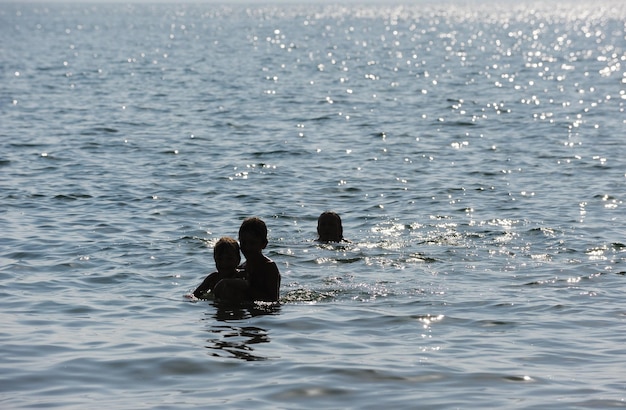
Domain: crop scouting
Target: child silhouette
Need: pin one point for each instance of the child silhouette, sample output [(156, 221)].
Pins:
[(262, 273), (227, 257)]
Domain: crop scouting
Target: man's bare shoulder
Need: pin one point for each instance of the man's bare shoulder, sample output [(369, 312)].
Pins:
[(270, 265)]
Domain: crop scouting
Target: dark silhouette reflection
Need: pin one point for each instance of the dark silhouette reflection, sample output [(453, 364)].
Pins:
[(231, 340)]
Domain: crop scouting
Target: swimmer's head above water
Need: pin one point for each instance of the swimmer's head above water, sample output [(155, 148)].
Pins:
[(329, 227)]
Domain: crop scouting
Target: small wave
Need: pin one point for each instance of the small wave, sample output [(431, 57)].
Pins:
[(98, 131), (72, 197)]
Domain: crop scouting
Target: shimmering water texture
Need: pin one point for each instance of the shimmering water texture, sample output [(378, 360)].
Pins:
[(475, 152)]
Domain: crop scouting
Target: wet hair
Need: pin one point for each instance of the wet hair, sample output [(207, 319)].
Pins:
[(224, 244), (334, 216), (255, 226)]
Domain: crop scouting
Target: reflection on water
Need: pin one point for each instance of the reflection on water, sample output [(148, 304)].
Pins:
[(231, 340), (236, 341)]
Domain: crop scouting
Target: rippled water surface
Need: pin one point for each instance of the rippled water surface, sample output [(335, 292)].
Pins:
[(475, 151)]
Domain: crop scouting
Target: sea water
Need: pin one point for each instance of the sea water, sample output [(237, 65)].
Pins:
[(475, 152)]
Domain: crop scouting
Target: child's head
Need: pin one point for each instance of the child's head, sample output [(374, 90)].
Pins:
[(252, 236), (226, 254), (329, 227)]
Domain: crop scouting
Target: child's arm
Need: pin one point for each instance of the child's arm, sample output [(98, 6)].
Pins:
[(207, 284)]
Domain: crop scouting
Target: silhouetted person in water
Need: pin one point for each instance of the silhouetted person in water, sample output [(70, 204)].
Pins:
[(227, 257), (329, 228), (262, 273)]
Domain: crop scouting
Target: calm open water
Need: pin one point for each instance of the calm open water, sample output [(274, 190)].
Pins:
[(476, 152)]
